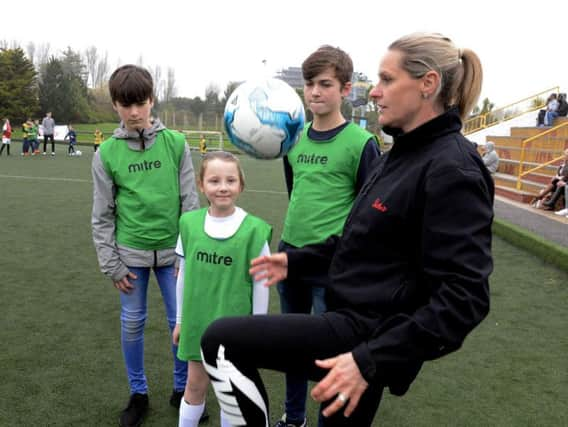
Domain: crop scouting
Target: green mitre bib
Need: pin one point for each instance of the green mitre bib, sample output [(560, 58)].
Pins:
[(148, 202), (325, 175), (216, 282)]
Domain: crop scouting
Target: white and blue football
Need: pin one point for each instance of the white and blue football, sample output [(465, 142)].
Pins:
[(264, 118)]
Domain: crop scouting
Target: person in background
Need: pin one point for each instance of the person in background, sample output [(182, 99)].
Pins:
[(202, 145), (6, 136), (26, 129), (143, 181), (564, 212), (551, 110), (490, 157), (72, 136), (557, 184), (562, 110), (98, 139), (408, 277), (561, 176), (48, 125), (34, 137)]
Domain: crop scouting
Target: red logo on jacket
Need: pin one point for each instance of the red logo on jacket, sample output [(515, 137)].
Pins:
[(378, 205)]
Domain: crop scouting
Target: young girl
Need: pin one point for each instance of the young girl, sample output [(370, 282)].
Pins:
[(6, 136), (216, 245)]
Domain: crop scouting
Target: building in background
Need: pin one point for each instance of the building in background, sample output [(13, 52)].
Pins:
[(292, 76)]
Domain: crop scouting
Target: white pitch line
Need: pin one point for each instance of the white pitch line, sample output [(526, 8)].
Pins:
[(46, 178), (88, 181)]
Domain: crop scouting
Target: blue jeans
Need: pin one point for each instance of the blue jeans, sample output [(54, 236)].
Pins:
[(133, 314), (549, 117), (299, 298)]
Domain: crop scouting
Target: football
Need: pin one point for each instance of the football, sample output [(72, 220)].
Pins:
[(78, 153), (264, 118)]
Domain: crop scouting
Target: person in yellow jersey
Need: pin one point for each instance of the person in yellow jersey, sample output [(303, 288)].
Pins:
[(202, 145), (98, 139)]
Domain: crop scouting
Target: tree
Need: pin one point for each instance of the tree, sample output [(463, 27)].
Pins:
[(231, 86), (170, 85), (198, 108), (52, 89), (30, 48), (18, 85), (487, 106), (156, 74), (42, 55), (63, 88), (102, 74), (92, 59)]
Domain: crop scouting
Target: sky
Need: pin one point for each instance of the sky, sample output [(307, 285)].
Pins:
[(217, 41)]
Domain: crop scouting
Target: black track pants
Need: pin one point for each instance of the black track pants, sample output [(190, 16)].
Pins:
[(234, 348)]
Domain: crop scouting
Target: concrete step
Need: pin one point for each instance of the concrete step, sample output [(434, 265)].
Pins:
[(538, 156), (511, 167), (514, 194), (527, 132), (505, 180)]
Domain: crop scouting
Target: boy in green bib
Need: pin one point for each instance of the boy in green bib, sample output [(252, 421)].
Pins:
[(143, 181), (216, 245), (324, 172)]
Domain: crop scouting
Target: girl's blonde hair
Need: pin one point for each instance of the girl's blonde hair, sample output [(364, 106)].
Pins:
[(460, 70), (224, 156)]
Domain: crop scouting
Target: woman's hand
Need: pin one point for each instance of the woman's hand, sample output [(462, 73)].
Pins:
[(344, 382), (273, 268)]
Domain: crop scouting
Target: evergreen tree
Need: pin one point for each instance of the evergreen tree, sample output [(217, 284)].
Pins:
[(18, 86), (63, 88)]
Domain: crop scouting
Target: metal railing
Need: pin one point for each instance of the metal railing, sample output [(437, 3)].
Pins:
[(508, 112), (524, 144)]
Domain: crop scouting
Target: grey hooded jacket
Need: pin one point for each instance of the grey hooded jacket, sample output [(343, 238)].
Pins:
[(114, 258), (491, 158)]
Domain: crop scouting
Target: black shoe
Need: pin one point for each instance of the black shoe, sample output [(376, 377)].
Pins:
[(204, 416), (175, 398), (134, 413), (175, 401)]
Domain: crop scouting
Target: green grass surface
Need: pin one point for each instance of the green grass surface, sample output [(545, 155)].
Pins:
[(60, 358)]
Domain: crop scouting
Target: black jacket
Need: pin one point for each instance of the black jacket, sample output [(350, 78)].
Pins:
[(410, 273)]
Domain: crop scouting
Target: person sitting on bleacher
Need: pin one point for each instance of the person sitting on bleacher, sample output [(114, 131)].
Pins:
[(551, 110), (564, 212), (557, 184), (491, 158), (562, 110)]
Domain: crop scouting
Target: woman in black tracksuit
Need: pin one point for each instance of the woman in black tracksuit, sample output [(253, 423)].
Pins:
[(408, 279)]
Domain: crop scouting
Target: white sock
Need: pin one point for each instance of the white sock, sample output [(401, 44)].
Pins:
[(189, 414), (224, 421)]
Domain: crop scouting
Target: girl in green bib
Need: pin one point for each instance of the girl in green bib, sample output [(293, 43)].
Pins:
[(215, 245)]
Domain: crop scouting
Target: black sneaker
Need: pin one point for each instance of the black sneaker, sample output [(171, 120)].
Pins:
[(175, 398), (175, 401), (204, 416), (134, 413)]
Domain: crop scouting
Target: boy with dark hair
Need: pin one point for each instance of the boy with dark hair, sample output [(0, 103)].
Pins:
[(143, 181), (321, 192)]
